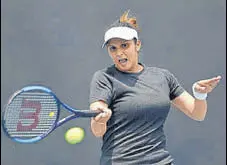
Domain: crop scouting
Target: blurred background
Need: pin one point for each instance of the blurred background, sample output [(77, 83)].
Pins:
[(58, 44)]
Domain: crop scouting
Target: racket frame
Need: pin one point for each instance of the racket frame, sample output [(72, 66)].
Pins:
[(56, 123)]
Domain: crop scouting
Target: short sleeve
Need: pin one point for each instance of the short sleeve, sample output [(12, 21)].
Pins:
[(100, 88), (174, 86)]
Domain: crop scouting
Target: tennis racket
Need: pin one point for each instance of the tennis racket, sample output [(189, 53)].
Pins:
[(33, 112)]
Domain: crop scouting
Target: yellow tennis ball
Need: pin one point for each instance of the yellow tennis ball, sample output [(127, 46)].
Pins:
[(51, 114), (74, 135)]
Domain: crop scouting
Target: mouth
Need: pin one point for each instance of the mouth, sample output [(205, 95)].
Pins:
[(122, 60)]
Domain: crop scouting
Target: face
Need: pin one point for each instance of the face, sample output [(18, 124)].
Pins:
[(124, 54)]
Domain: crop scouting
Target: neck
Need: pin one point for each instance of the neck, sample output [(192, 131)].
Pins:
[(139, 68)]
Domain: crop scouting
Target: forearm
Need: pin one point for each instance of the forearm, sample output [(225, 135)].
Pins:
[(99, 123), (192, 107), (200, 109), (97, 128)]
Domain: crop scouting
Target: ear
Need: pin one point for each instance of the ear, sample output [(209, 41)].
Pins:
[(138, 45)]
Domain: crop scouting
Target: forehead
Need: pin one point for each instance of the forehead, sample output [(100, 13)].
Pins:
[(116, 41)]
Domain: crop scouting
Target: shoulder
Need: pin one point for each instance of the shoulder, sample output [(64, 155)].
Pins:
[(161, 72), (105, 71), (104, 74), (158, 70)]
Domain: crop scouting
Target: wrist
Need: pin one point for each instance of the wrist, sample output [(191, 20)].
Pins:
[(99, 122), (98, 128), (198, 95)]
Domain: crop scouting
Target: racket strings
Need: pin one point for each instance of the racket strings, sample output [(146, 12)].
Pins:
[(30, 114)]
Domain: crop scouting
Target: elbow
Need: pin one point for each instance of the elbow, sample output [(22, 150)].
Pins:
[(97, 134), (198, 118)]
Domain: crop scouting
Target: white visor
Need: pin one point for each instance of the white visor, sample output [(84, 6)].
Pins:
[(125, 33)]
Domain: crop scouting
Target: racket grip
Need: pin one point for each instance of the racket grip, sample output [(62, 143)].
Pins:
[(88, 113)]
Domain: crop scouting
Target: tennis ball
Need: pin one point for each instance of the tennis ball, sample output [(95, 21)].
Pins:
[(51, 114), (74, 135)]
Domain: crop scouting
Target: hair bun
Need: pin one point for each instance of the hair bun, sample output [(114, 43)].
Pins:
[(132, 21)]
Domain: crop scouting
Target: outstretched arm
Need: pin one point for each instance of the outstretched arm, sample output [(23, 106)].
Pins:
[(196, 107)]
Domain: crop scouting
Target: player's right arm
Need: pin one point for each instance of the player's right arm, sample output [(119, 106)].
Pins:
[(99, 123)]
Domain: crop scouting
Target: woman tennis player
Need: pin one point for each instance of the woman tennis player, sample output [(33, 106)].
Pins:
[(136, 99)]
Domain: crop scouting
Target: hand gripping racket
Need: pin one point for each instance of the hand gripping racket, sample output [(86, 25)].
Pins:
[(33, 112)]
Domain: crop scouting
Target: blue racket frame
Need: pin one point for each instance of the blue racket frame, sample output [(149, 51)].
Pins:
[(57, 122)]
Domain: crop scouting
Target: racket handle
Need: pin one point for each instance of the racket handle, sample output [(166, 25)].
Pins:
[(88, 113)]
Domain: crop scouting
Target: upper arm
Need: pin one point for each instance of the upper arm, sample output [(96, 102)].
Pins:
[(179, 97), (175, 88), (184, 103), (100, 88)]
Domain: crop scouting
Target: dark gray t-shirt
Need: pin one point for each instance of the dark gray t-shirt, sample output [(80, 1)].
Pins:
[(140, 103)]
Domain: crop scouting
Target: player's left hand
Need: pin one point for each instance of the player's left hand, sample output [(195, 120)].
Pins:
[(207, 85)]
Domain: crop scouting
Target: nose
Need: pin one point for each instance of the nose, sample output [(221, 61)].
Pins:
[(119, 53), (118, 56)]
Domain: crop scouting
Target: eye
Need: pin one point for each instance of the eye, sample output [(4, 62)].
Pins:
[(125, 45), (112, 48)]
